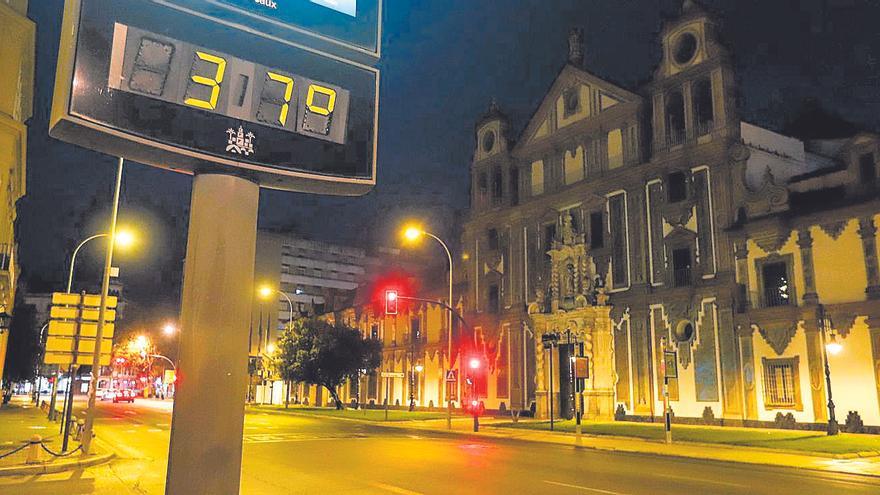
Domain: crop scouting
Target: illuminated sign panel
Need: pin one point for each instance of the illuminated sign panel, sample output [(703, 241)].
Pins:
[(164, 87), (351, 22)]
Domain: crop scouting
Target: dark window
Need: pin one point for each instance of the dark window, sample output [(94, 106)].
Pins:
[(681, 267), (483, 184), (597, 230), (374, 332), (549, 236), (494, 299), (514, 186), (867, 169), (497, 184), (415, 326), (492, 236), (703, 110), (674, 119), (777, 290), (677, 187)]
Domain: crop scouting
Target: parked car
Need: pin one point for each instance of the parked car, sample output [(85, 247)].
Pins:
[(124, 396)]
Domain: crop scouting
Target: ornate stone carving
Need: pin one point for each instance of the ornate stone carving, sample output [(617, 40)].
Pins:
[(778, 335), (768, 199), (772, 239)]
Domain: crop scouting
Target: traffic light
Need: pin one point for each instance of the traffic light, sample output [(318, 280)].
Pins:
[(390, 302)]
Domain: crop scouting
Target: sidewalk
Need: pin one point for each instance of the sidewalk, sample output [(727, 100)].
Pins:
[(20, 420), (502, 429)]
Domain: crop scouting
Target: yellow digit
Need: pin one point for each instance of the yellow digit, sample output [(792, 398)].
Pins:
[(288, 94), (211, 82), (310, 100)]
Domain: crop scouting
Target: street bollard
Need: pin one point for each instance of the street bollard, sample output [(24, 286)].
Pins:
[(33, 455)]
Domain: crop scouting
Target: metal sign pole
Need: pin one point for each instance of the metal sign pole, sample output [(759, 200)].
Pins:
[(102, 316), (550, 394), (218, 285)]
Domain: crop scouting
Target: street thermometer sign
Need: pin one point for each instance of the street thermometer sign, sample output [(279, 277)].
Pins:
[(168, 85)]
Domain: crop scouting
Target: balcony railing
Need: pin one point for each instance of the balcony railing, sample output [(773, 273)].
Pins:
[(775, 297), (675, 137), (682, 277)]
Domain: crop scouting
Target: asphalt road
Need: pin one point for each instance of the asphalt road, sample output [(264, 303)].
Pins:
[(286, 454)]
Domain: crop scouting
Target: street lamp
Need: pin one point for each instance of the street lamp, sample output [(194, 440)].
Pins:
[(169, 329), (124, 239), (834, 347), (266, 292), (413, 233)]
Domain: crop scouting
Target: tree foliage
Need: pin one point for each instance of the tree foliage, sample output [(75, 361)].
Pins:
[(23, 352), (320, 353)]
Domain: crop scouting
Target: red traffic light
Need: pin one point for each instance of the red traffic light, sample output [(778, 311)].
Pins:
[(390, 302)]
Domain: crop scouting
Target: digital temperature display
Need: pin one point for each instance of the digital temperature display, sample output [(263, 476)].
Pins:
[(159, 83), (170, 70)]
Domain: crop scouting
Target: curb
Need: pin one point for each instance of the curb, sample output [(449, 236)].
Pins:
[(36, 469)]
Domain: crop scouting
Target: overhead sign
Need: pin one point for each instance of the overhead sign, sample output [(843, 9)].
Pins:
[(168, 87), (393, 374), (451, 375)]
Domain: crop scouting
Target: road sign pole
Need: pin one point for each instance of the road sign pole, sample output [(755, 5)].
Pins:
[(208, 419), (667, 418), (387, 386), (102, 316)]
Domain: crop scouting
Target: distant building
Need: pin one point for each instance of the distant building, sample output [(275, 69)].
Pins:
[(17, 48), (316, 276)]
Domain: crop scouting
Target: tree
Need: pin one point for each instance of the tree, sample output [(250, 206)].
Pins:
[(317, 352), (23, 352)]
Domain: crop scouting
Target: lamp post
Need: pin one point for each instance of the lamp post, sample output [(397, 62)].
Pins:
[(122, 238), (414, 233), (834, 347), (265, 292)]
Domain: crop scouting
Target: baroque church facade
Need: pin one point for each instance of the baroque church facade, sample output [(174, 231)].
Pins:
[(629, 222)]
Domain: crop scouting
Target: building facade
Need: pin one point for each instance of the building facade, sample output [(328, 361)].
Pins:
[(650, 201), (17, 49)]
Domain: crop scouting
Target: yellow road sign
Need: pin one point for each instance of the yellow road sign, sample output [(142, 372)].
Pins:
[(88, 314), (65, 358), (89, 329), (85, 345), (67, 299)]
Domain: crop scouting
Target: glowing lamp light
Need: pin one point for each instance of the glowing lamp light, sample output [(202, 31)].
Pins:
[(124, 238), (419, 368), (834, 346), (266, 291), (270, 349), (475, 363), (475, 403), (412, 233), (169, 329)]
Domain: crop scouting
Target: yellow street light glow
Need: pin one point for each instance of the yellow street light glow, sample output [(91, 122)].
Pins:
[(412, 233), (270, 349), (169, 329), (266, 291), (419, 368), (834, 346), (124, 238)]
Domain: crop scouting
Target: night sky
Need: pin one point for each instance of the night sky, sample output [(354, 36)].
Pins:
[(443, 62)]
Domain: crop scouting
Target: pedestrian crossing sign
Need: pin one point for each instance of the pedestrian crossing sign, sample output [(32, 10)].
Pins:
[(451, 375)]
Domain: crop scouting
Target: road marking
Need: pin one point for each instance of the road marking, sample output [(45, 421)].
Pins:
[(154, 430), (584, 488), (699, 480), (394, 489), (163, 425), (37, 427)]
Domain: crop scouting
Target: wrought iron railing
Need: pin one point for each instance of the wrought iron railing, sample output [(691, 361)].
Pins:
[(682, 277)]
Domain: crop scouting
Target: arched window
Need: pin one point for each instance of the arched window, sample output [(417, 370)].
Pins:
[(675, 130), (703, 111)]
